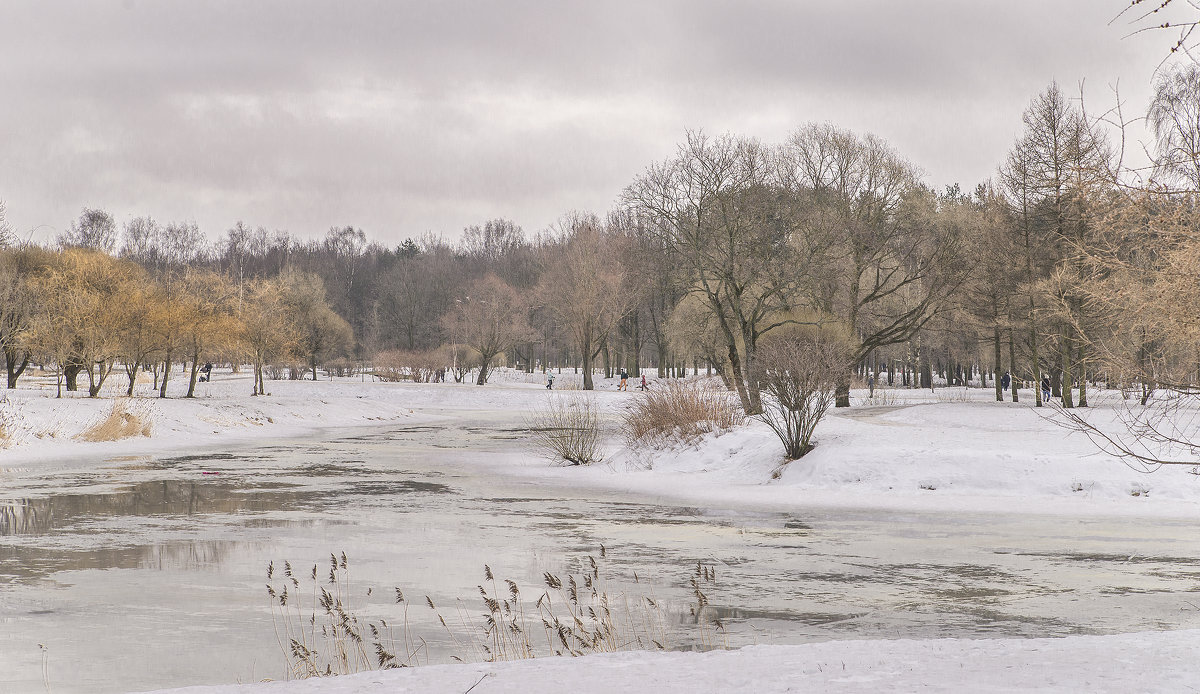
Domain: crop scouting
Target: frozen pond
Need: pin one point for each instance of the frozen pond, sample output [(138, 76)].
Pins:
[(146, 573)]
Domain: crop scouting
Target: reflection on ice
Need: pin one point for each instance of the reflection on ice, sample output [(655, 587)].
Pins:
[(158, 498)]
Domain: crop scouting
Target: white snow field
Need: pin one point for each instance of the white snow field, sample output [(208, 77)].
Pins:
[(950, 450), (1147, 662)]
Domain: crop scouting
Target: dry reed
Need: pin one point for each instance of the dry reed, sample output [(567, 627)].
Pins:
[(681, 411), (574, 615), (124, 420)]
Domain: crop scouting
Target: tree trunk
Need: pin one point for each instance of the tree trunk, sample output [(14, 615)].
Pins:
[(94, 384), (166, 375), (1012, 366), (485, 361), (15, 370), (587, 369), (195, 370), (996, 355), (131, 371), (70, 371), (1082, 371), (1068, 376), (1037, 367), (739, 381)]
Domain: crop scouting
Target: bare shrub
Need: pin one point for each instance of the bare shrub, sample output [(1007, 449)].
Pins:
[(681, 410), (340, 367), (566, 429), (800, 372), (416, 366), (124, 420)]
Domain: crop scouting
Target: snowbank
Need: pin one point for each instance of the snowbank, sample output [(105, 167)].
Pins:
[(951, 450), (1146, 662)]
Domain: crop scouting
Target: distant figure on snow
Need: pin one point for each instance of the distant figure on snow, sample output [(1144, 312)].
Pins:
[(624, 381), (643, 386), (871, 383), (1045, 388), (1004, 381), (206, 370), (550, 381)]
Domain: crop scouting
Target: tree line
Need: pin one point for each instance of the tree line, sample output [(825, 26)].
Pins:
[(1067, 265)]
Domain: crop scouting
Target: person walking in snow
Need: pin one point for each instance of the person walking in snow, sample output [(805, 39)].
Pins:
[(1004, 381), (643, 386), (1045, 388), (550, 381), (624, 381), (871, 383)]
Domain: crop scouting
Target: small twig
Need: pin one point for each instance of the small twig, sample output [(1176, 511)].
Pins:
[(481, 679)]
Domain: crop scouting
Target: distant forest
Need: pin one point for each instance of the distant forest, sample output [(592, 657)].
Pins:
[(1066, 265)]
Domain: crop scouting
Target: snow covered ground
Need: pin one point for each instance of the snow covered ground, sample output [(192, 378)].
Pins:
[(949, 450), (1149, 662)]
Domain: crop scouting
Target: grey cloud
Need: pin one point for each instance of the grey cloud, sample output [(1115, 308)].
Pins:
[(403, 117)]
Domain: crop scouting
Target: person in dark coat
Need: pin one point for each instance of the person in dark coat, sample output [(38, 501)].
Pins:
[(1005, 380), (1045, 388)]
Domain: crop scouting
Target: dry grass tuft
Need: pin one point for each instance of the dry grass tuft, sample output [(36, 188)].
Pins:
[(124, 421), (681, 410), (8, 425), (12, 428)]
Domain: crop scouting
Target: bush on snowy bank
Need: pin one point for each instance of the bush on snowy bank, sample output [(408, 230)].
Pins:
[(681, 410), (799, 372), (567, 428)]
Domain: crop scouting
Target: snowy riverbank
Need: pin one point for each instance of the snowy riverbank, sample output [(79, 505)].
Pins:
[(948, 450), (1148, 662)]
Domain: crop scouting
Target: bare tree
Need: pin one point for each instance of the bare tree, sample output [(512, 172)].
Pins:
[(139, 315), (878, 257), (206, 318), (321, 333), (1056, 171), (491, 317), (582, 287), (267, 330), (714, 209), (95, 230), (1174, 118), (416, 292)]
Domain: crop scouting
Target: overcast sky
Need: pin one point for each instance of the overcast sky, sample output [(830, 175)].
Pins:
[(406, 117)]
